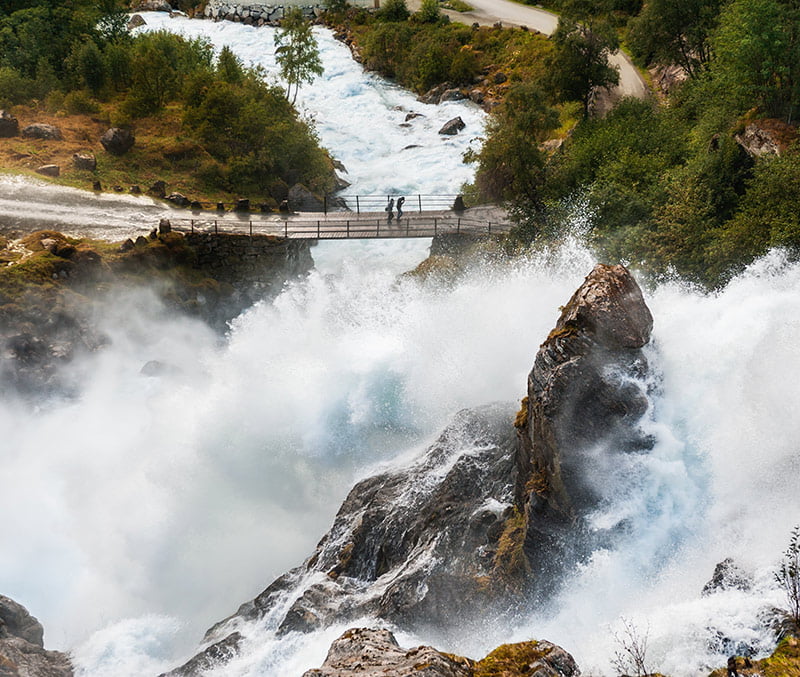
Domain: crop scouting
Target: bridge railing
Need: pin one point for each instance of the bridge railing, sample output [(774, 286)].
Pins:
[(343, 228), (377, 203)]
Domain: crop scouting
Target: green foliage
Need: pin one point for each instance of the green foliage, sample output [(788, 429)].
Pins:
[(14, 87), (88, 66), (393, 10), (296, 52), (510, 163), (229, 67), (78, 102), (668, 32), (429, 12), (579, 64)]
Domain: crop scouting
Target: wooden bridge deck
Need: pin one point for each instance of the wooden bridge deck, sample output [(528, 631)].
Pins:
[(340, 225)]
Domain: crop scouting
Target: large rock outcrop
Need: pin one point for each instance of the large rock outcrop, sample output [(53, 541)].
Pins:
[(585, 393), (22, 652), (489, 517)]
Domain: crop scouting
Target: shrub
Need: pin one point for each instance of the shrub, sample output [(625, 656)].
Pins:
[(78, 102), (788, 575), (394, 10), (14, 87)]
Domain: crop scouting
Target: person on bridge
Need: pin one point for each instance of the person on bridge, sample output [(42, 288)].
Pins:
[(390, 210), (400, 202)]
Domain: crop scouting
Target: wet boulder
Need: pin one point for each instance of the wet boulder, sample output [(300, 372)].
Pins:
[(118, 141), (376, 653), (135, 21), (452, 127), (727, 576), (9, 125), (40, 130), (178, 199)]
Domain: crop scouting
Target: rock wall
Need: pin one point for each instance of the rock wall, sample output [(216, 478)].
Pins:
[(22, 652)]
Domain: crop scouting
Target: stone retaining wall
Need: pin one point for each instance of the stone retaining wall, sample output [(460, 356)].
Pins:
[(261, 14), (260, 261)]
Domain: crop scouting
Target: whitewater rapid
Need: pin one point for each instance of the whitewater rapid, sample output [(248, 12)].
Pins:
[(148, 508)]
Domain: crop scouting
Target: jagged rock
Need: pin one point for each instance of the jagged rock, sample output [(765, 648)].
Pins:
[(454, 94), (49, 170), (118, 141), (434, 95), (141, 241), (16, 621), (22, 652), (452, 127), (40, 130), (126, 246), (302, 199), (84, 161), (135, 21), (215, 655), (534, 658), (766, 137), (9, 125), (413, 116), (419, 544), (376, 653), (178, 199), (584, 395), (727, 576)]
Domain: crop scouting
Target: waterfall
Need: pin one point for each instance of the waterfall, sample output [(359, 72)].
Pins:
[(145, 509)]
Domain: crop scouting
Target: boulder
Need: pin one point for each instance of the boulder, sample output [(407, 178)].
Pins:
[(364, 652), (135, 189), (126, 246), (158, 189), (49, 170), (84, 161), (452, 127), (242, 205), (135, 21), (22, 652), (9, 125), (118, 141), (727, 576), (499, 78), (16, 621), (477, 95), (97, 186), (413, 116), (766, 137), (164, 226), (301, 199), (141, 241), (434, 95), (178, 199), (454, 94), (40, 130)]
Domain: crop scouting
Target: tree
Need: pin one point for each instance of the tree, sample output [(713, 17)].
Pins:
[(394, 10), (296, 52), (510, 163), (668, 32), (429, 12), (788, 575), (630, 658), (579, 63)]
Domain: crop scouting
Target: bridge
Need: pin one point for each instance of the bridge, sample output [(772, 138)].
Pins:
[(423, 217)]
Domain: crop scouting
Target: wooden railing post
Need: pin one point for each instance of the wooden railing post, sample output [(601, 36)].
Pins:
[(216, 231), (318, 229), (358, 206)]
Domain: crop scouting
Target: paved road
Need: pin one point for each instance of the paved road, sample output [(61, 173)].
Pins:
[(488, 12)]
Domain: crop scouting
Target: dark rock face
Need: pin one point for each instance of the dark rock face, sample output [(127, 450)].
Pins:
[(727, 576), (419, 545), (584, 392), (118, 141), (9, 125), (452, 127), (42, 131), (376, 653), (216, 654), (178, 199), (22, 652), (301, 199)]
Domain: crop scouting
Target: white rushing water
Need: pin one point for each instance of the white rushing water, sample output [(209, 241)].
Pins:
[(148, 508)]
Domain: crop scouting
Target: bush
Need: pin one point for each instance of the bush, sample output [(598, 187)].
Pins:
[(78, 102), (394, 10), (14, 87), (429, 12), (788, 575)]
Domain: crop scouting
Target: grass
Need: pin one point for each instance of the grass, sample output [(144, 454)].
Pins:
[(784, 662), (457, 6)]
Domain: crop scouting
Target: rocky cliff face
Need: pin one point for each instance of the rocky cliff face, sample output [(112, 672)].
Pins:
[(22, 652), (585, 396), (489, 516)]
